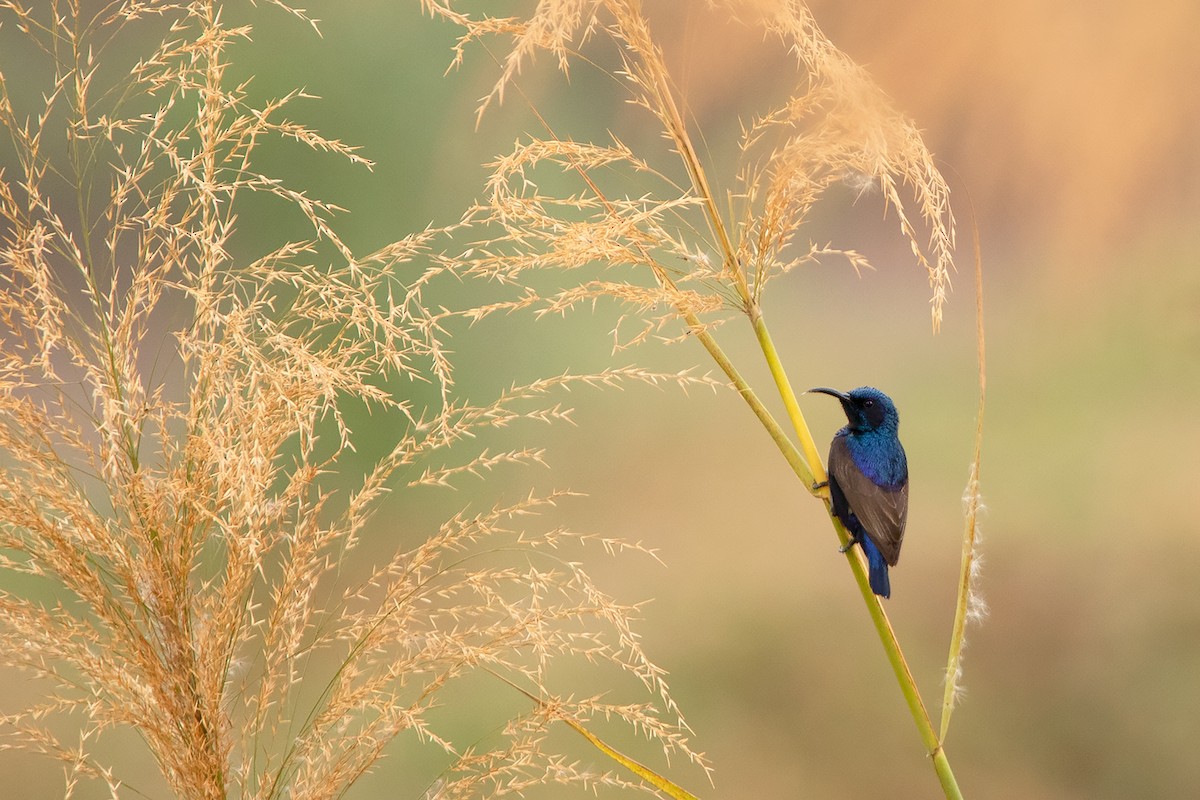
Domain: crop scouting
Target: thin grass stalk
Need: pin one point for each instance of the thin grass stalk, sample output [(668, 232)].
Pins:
[(941, 765), (646, 69), (663, 784), (814, 466), (801, 463), (788, 395), (883, 626), (677, 129), (186, 517), (796, 460), (858, 565), (904, 676), (887, 636), (973, 503)]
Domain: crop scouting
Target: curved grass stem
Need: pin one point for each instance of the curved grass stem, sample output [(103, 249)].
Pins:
[(800, 464), (973, 501), (796, 460), (788, 395), (805, 461), (883, 626)]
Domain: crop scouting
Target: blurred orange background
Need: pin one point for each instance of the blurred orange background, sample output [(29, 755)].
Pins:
[(1069, 133)]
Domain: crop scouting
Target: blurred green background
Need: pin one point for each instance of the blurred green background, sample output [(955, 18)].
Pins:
[(1071, 131)]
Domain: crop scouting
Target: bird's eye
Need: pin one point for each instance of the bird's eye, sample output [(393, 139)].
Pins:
[(868, 403)]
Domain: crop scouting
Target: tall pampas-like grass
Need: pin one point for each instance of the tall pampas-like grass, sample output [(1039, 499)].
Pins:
[(682, 254), (177, 424)]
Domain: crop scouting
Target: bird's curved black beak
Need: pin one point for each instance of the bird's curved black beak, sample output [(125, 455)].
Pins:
[(845, 398)]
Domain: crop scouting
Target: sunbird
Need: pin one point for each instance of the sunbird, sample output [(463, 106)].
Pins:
[(868, 479)]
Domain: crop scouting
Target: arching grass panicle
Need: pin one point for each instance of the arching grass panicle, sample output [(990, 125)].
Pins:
[(184, 513), (837, 127)]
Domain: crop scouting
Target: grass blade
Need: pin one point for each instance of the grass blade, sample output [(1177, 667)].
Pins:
[(969, 604)]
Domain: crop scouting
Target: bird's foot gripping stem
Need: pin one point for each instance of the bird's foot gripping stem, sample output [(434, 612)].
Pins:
[(846, 547)]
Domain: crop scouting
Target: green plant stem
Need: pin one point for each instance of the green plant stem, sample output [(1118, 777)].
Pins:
[(941, 766), (795, 459), (883, 626), (895, 656), (806, 465), (807, 445), (972, 499), (651, 777), (641, 770)]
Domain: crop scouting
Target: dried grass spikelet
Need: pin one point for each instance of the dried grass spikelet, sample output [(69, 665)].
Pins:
[(529, 230), (971, 608), (837, 127), (840, 128), (171, 417)]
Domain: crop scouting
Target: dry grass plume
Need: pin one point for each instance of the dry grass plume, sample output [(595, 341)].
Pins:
[(678, 252), (707, 248), (174, 416)]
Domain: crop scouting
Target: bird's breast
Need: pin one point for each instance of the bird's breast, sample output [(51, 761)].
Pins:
[(880, 458)]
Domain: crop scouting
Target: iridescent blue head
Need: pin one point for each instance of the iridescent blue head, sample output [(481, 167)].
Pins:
[(867, 409)]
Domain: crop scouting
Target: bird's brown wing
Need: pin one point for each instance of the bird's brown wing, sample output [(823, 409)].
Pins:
[(882, 512)]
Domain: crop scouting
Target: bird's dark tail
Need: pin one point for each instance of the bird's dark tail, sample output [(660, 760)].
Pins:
[(878, 567)]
